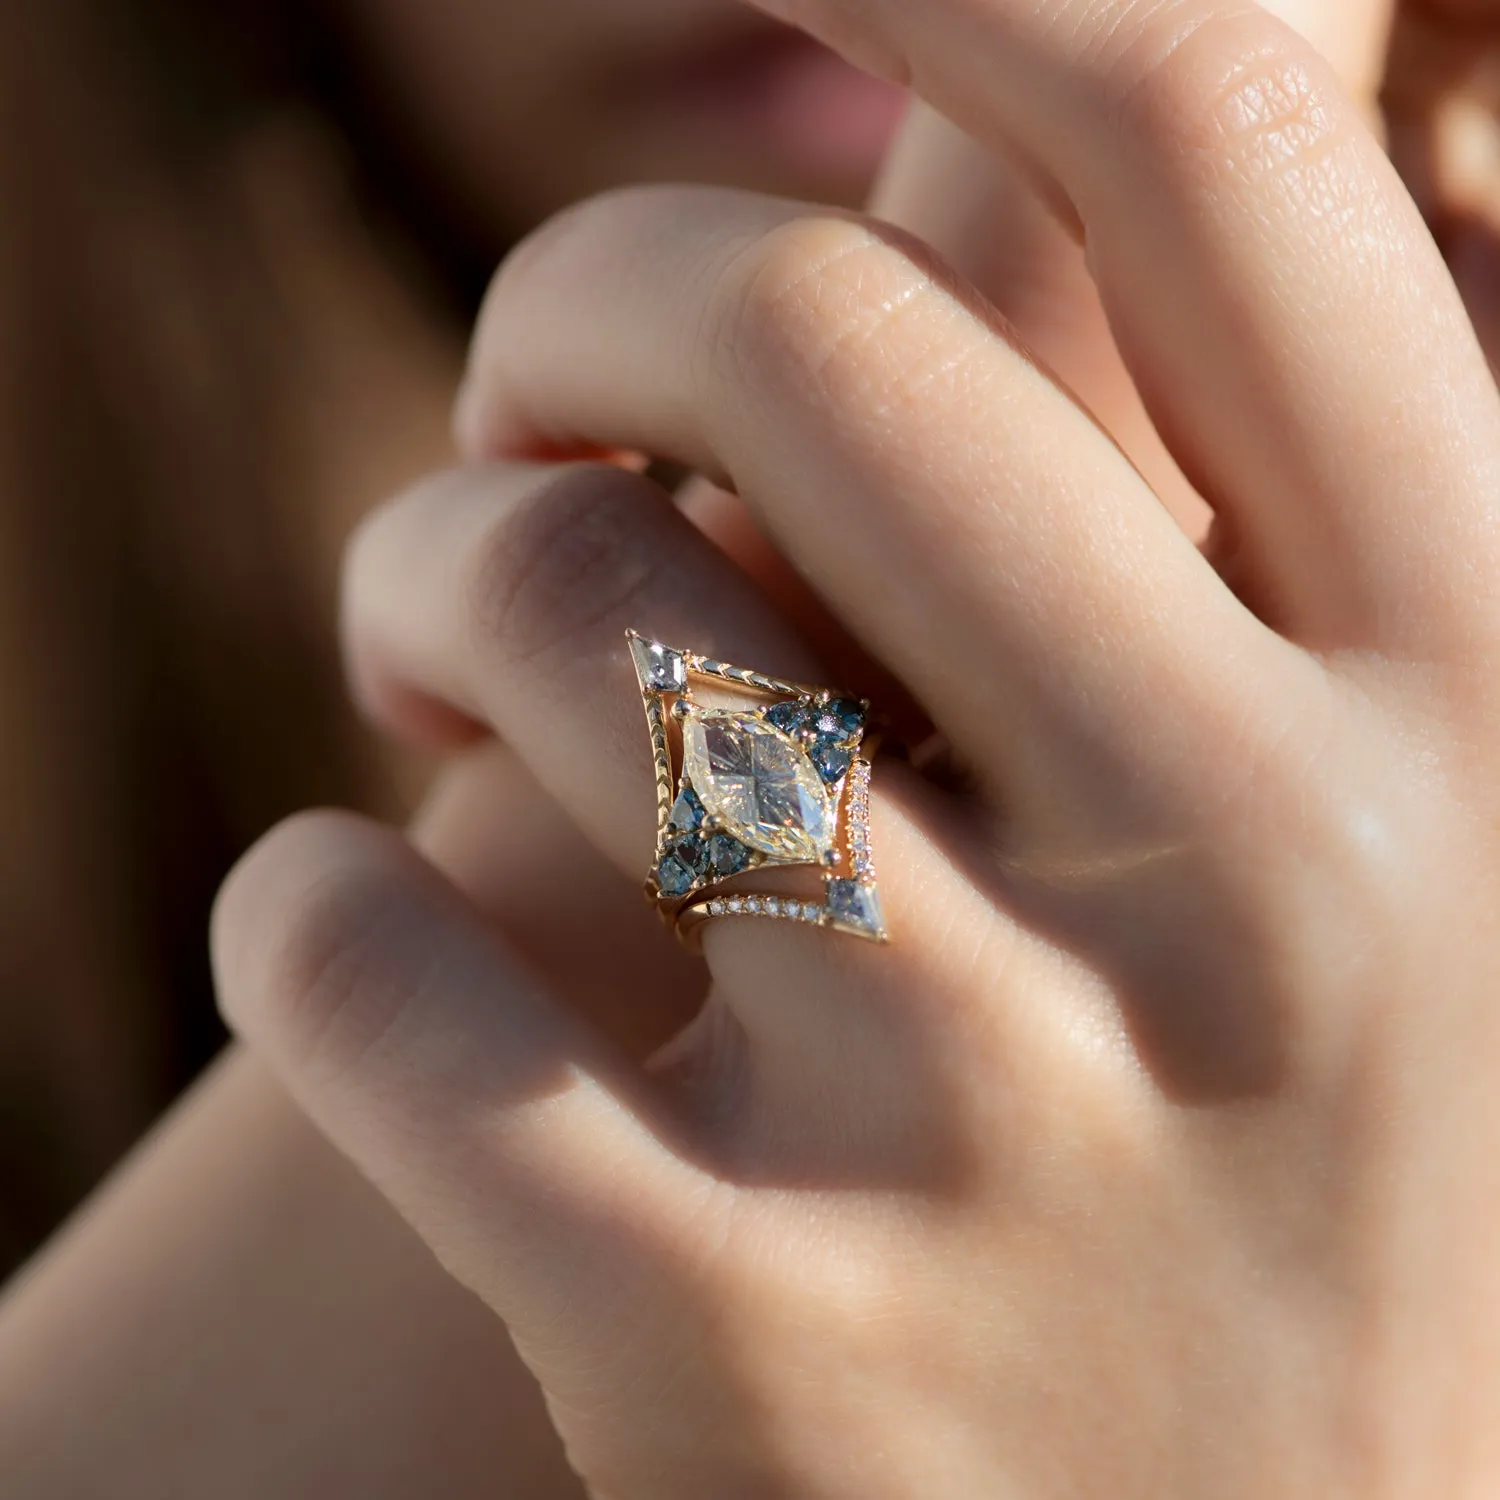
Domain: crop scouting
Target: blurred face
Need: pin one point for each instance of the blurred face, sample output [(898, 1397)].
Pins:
[(524, 105)]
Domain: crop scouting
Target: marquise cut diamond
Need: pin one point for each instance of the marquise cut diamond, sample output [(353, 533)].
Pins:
[(759, 784)]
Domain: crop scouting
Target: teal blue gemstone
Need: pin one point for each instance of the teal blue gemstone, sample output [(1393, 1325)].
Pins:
[(674, 878), (840, 720), (790, 717), (687, 811), (727, 856), (831, 761)]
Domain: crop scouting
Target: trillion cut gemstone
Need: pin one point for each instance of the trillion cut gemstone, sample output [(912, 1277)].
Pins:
[(674, 877), (727, 856), (684, 863), (759, 784), (791, 716), (840, 720), (832, 762), (660, 668), (856, 907), (687, 812)]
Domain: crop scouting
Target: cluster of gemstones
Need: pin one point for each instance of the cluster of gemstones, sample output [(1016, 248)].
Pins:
[(698, 851), (829, 732), (696, 854)]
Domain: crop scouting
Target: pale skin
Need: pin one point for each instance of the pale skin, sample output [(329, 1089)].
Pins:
[(1135, 1158), (1169, 1121)]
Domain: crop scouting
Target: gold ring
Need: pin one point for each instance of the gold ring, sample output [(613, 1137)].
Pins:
[(753, 774)]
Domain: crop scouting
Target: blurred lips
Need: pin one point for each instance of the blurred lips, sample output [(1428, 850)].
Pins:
[(775, 91)]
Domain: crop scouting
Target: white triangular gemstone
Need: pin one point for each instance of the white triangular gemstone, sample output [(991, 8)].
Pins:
[(856, 907), (660, 668)]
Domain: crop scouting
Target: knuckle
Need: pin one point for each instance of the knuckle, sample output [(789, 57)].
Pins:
[(380, 548), (302, 932), (1335, 838), (1237, 96), (806, 311), (592, 226), (551, 570), (580, 241)]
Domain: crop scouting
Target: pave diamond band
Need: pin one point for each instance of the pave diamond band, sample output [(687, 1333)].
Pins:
[(755, 773)]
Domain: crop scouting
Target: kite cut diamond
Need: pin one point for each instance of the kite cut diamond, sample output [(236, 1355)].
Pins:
[(757, 782), (856, 907), (660, 668)]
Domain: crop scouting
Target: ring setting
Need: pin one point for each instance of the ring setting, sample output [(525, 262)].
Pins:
[(753, 774)]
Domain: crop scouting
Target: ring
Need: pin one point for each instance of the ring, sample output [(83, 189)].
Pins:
[(756, 774)]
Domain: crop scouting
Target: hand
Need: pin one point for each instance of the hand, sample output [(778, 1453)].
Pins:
[(1154, 1157)]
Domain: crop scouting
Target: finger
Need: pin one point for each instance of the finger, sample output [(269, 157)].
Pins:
[(980, 211), (1352, 35), (975, 530), (501, 1127), (570, 915), (506, 592), (1288, 320)]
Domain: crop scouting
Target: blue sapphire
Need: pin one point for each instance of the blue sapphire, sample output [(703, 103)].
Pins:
[(832, 762), (674, 877), (692, 851), (687, 812), (727, 856), (840, 720), (789, 717)]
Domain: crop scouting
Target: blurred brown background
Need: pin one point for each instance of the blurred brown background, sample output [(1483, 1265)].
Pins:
[(240, 245), (168, 684)]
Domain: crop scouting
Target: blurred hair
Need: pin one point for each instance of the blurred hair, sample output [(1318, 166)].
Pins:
[(168, 685)]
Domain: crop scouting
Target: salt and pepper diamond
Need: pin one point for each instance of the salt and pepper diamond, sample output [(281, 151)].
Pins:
[(660, 668), (856, 908), (758, 783)]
